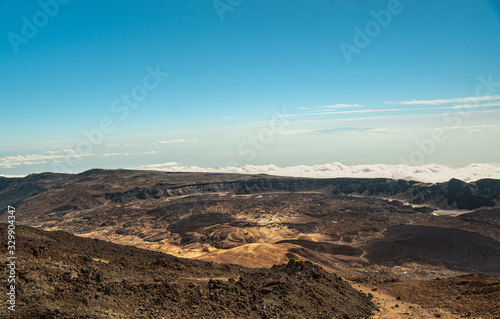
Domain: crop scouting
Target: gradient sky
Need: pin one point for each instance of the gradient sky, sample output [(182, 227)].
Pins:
[(233, 68)]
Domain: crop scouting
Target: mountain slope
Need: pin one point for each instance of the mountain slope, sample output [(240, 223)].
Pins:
[(64, 276)]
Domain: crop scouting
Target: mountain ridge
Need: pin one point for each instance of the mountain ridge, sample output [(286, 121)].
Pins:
[(454, 194)]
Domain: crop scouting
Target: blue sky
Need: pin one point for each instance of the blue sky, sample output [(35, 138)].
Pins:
[(233, 68)]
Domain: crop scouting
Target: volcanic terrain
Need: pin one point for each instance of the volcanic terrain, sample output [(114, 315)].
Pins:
[(352, 227)]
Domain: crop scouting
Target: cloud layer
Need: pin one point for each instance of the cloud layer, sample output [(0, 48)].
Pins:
[(472, 99), (59, 156), (425, 173)]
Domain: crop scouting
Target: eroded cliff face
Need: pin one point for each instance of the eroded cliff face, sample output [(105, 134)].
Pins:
[(49, 192), (454, 194)]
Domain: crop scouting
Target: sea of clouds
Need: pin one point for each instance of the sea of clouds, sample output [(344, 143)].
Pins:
[(431, 173)]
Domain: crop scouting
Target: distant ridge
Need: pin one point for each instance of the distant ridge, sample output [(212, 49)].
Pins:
[(454, 194)]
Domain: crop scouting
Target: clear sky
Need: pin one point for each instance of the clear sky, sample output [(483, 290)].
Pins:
[(122, 84)]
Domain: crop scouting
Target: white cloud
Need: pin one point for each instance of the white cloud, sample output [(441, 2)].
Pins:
[(343, 129), (178, 141), (327, 112), (469, 106), (159, 166), (330, 107), (127, 154), (465, 107), (425, 173), (474, 128), (35, 159), (61, 151), (447, 101), (57, 156), (338, 106)]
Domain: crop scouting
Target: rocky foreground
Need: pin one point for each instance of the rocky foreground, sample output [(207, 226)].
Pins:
[(64, 276)]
